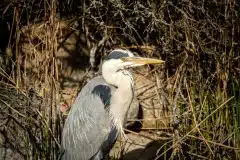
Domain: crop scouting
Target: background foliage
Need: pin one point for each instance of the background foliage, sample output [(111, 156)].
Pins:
[(199, 40)]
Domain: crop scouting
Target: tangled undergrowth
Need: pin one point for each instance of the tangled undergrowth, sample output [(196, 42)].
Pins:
[(199, 40)]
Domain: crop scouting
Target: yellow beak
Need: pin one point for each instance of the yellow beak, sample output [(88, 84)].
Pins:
[(141, 60)]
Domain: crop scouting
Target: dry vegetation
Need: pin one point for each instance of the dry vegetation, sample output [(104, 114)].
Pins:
[(50, 48)]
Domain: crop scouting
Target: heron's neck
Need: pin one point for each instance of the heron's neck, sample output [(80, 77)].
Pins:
[(121, 99)]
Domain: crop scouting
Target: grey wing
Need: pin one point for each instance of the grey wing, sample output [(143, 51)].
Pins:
[(88, 133)]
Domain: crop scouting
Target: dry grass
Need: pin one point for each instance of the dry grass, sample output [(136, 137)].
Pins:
[(190, 106)]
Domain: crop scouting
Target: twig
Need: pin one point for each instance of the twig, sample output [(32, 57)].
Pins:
[(215, 143)]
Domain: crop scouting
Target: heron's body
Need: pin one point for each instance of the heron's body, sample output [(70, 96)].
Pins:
[(98, 113), (98, 134)]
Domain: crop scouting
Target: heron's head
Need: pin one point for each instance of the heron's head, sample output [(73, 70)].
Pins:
[(119, 60)]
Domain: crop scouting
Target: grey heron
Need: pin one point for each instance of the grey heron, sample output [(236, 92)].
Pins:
[(97, 116)]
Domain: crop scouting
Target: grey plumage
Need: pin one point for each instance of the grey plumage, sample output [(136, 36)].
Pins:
[(98, 134)]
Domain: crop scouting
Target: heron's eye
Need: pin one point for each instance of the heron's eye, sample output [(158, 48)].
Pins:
[(124, 59)]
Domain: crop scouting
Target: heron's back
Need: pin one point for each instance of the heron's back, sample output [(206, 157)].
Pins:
[(88, 132)]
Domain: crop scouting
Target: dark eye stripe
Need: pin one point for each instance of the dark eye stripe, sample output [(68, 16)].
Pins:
[(116, 55)]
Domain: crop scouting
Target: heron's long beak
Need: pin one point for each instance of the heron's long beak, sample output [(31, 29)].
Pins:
[(141, 60)]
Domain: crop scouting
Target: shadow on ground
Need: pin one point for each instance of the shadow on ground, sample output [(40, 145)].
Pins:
[(150, 152), (141, 148)]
